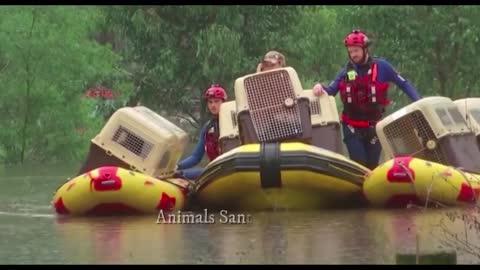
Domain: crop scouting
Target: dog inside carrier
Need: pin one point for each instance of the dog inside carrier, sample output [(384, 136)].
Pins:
[(138, 139), (432, 129)]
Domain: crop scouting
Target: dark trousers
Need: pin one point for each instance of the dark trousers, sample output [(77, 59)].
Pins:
[(363, 145)]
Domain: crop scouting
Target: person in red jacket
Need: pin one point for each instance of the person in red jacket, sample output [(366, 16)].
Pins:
[(209, 134), (363, 85)]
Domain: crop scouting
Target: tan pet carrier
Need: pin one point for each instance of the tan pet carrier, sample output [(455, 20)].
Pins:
[(472, 106), (137, 138), (270, 107), (326, 131), (431, 129), (228, 137)]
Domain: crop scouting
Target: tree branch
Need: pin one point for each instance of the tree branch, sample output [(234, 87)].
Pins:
[(29, 84), (4, 66), (191, 119)]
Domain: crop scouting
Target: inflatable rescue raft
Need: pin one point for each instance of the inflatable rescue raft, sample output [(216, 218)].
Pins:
[(116, 191), (289, 175), (404, 180), (129, 168)]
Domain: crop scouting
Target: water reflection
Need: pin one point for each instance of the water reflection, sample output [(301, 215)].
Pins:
[(418, 231), (123, 240), (326, 237), (274, 238), (31, 233)]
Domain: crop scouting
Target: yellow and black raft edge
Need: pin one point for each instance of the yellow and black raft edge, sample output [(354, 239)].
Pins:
[(292, 175)]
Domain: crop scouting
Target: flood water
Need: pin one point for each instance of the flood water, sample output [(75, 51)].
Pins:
[(31, 233)]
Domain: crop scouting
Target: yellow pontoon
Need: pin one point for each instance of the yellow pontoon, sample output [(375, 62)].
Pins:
[(280, 176)]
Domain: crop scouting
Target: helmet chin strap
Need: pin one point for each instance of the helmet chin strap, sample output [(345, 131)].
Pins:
[(365, 56)]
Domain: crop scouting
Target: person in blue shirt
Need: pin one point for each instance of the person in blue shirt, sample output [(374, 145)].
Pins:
[(363, 84), (209, 134)]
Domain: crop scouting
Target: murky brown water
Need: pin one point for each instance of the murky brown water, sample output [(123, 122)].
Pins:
[(31, 233)]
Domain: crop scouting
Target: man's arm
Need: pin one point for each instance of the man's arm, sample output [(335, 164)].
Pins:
[(401, 82), (332, 88), (197, 153)]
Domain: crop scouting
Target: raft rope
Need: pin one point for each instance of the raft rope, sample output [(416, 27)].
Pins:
[(91, 181), (407, 171), (459, 169), (429, 190), (433, 178), (190, 187), (418, 152)]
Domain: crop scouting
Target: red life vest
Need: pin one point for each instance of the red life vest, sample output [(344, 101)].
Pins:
[(212, 148), (364, 98)]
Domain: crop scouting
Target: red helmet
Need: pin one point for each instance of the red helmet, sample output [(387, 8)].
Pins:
[(216, 91), (356, 38)]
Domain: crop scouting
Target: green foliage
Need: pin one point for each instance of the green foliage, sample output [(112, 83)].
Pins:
[(432, 46), (313, 47), (175, 52), (166, 56), (49, 61)]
